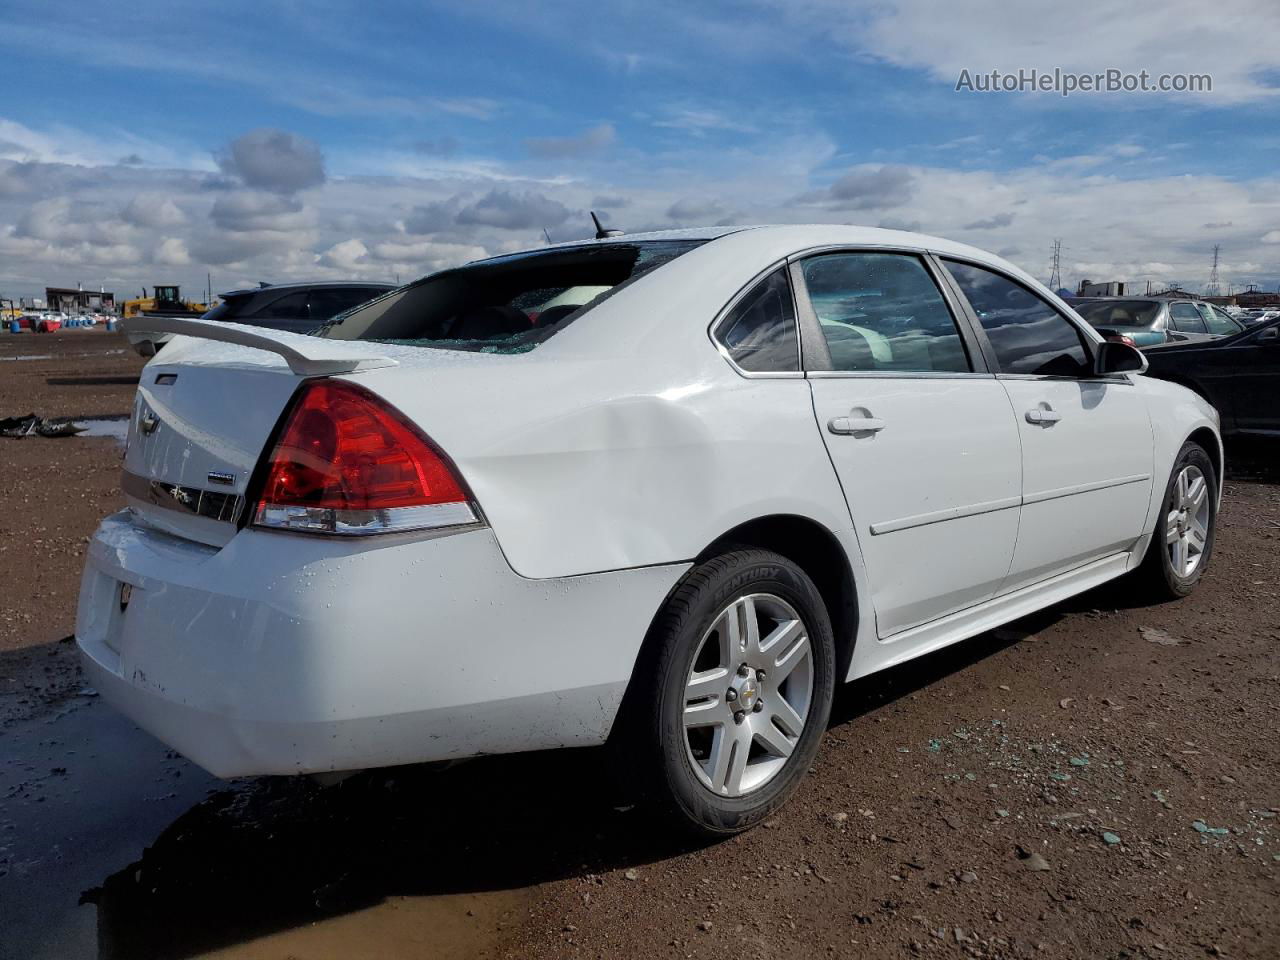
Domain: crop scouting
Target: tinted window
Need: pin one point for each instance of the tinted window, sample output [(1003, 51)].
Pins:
[(328, 302), (882, 311), (1186, 318), (507, 304), (760, 332), (1028, 335), (1217, 321), (292, 306)]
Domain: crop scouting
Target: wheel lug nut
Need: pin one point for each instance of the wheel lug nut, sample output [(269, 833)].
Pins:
[(731, 695), (744, 671), (757, 706), (739, 716), (760, 675)]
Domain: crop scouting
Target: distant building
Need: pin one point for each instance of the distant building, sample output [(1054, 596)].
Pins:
[(68, 300)]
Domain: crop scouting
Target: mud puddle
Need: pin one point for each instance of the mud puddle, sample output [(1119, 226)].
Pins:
[(112, 847)]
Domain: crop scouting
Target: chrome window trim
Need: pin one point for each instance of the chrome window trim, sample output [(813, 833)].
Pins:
[(1116, 378), (898, 375), (713, 327)]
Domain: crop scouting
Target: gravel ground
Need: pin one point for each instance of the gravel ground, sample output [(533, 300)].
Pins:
[(1100, 780)]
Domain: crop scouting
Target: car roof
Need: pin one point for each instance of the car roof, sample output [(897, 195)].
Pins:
[(800, 236), (304, 285)]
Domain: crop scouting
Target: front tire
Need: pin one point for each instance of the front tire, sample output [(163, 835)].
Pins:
[(741, 675), (1182, 543)]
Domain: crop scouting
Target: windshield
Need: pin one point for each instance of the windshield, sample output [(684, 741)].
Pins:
[(505, 305), (1118, 313)]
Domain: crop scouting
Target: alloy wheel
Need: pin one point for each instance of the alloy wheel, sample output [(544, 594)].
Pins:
[(747, 695), (1187, 521)]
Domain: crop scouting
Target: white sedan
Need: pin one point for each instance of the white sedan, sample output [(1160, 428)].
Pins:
[(663, 491)]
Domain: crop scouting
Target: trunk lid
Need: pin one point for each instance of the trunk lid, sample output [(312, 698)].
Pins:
[(204, 412)]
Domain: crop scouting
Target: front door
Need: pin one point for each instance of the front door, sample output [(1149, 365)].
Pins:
[(922, 438), (1087, 445)]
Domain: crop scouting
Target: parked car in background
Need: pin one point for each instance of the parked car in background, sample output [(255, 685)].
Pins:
[(1256, 316), (1146, 321), (1239, 375), (293, 307), (664, 491)]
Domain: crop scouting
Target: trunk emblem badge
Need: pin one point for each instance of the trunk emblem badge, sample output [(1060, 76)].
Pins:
[(217, 476)]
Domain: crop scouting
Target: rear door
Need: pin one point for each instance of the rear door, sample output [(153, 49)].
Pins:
[(921, 435), (1087, 446)]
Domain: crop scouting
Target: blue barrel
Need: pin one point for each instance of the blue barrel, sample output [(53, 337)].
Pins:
[(15, 325), (111, 324)]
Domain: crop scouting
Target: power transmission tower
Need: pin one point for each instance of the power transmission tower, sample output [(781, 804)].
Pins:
[(1055, 277), (1214, 288)]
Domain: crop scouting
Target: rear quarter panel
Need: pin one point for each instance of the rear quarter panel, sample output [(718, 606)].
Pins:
[(589, 465)]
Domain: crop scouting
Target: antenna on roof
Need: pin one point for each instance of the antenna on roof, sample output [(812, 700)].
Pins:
[(601, 232), (547, 235)]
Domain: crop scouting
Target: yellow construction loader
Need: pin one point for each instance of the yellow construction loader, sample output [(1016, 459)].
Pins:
[(165, 301)]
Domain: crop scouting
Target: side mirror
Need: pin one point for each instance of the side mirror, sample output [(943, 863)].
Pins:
[(1111, 357), (1270, 335)]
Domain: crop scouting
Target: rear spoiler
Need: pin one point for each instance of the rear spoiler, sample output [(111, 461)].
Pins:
[(306, 356)]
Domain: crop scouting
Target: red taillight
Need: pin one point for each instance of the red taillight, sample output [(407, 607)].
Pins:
[(347, 462)]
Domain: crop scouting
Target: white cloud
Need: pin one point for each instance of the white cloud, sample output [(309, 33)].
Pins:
[(274, 160), (1233, 40)]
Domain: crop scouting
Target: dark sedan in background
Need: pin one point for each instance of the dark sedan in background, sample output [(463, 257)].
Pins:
[(1240, 375), (295, 307)]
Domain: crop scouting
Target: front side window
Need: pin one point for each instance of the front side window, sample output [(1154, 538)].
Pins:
[(760, 331), (1186, 318), (1028, 335), (883, 312)]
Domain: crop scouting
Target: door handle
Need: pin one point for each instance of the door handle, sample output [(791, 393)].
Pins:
[(1044, 415), (853, 425)]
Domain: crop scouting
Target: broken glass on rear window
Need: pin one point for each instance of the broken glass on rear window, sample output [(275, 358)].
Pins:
[(507, 304)]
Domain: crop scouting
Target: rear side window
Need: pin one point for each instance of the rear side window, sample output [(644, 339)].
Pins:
[(328, 302), (1118, 313), (508, 304), (1028, 335), (1217, 321), (760, 331), (883, 312), (1186, 318), (292, 306)]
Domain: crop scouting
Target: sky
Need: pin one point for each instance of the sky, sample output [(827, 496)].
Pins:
[(158, 142)]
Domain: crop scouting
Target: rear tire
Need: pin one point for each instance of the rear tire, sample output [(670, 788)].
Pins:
[(731, 702), (1182, 543)]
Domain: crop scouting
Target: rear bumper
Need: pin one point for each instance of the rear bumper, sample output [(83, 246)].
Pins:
[(282, 653)]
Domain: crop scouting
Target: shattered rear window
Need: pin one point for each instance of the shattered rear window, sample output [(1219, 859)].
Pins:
[(507, 304)]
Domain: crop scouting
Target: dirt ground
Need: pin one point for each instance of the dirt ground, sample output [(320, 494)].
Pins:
[(1099, 780)]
